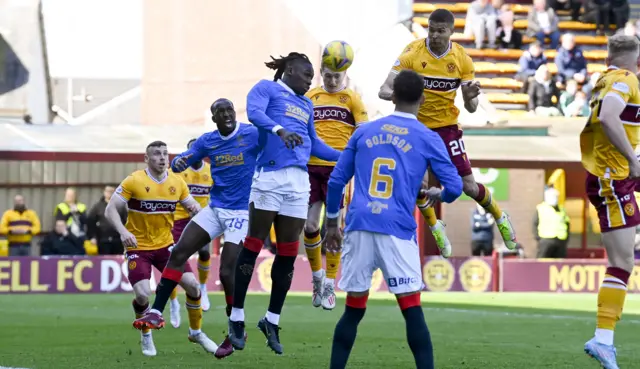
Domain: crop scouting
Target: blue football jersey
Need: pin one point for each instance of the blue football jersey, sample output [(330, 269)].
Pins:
[(233, 163), (272, 106), (389, 158)]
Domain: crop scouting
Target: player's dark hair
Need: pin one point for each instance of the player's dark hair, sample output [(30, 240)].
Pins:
[(442, 16), (191, 141), (156, 144), (279, 65), (408, 87)]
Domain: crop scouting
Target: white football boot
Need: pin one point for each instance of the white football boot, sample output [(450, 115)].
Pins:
[(318, 283), (148, 348)]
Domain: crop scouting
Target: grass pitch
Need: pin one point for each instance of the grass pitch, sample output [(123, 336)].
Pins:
[(514, 331)]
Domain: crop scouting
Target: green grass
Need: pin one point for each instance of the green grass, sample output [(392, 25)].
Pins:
[(514, 331)]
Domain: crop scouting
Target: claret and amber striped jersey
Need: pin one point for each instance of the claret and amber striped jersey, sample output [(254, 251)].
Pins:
[(335, 116), (442, 75), (599, 156), (151, 205), (199, 182)]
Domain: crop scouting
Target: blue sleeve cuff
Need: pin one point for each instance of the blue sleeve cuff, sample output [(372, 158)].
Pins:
[(334, 195)]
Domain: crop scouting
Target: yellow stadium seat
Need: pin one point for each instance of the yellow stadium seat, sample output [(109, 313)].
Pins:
[(591, 40), (4, 248), (90, 249), (507, 67), (595, 54), (553, 69), (575, 209), (424, 22), (506, 83), (423, 8), (500, 98), (520, 9), (462, 6), (596, 68), (485, 67), (484, 82), (517, 112)]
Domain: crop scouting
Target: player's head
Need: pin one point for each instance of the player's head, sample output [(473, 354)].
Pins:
[(623, 52), (408, 88), (333, 81), (223, 115), (440, 28), (157, 156), (295, 70)]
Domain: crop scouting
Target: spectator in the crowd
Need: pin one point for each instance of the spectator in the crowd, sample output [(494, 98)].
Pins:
[(61, 242), (579, 107), (631, 29), (508, 37), (572, 5), (481, 232), (605, 9), (551, 226), (483, 19), (543, 22), (73, 213), (570, 61), (541, 93), (588, 87), (568, 95), (19, 225), (100, 231), (529, 63)]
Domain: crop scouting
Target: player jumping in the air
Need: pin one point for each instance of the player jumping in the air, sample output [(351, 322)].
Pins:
[(445, 66), (280, 189), (198, 178), (608, 144), (389, 158), (150, 197), (337, 110), (232, 149)]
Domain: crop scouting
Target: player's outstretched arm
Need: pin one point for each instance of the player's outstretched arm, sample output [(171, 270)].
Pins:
[(386, 90), (257, 102), (196, 153), (319, 148), (610, 110), (443, 169)]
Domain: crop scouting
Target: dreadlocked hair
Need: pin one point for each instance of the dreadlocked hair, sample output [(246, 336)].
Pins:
[(279, 65)]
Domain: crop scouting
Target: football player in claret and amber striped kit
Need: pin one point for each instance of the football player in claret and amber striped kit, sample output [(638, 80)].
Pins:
[(198, 178), (445, 67), (337, 111), (150, 197)]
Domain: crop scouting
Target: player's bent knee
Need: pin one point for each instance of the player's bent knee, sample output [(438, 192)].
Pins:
[(142, 291), (190, 284), (287, 248), (357, 300)]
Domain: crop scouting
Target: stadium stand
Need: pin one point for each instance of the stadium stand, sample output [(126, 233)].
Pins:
[(496, 69)]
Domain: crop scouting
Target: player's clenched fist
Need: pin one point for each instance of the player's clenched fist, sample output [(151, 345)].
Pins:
[(290, 139), (432, 195), (128, 239), (181, 163), (333, 238), (470, 90)]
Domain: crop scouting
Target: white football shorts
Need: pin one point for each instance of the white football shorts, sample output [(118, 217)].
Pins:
[(234, 224), (363, 252), (285, 191)]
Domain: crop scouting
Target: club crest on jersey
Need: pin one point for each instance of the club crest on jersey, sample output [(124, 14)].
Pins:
[(629, 210), (205, 177), (343, 99), (172, 190), (424, 65), (451, 67), (147, 188), (240, 141)]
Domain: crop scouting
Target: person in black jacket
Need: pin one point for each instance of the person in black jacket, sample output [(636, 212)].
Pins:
[(99, 229), (481, 232), (541, 93), (508, 37), (61, 242)]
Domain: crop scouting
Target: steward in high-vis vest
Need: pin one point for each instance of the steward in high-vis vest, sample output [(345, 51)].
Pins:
[(18, 226), (73, 213), (551, 227)]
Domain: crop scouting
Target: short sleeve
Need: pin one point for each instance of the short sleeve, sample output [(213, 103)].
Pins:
[(467, 69), (127, 188), (405, 60), (625, 88), (358, 109), (183, 190)]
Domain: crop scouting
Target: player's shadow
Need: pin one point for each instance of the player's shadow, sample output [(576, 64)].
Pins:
[(13, 73)]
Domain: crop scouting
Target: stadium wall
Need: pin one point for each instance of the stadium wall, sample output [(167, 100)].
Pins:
[(108, 274), (220, 48)]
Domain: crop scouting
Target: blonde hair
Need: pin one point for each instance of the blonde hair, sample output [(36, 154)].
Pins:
[(620, 45)]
